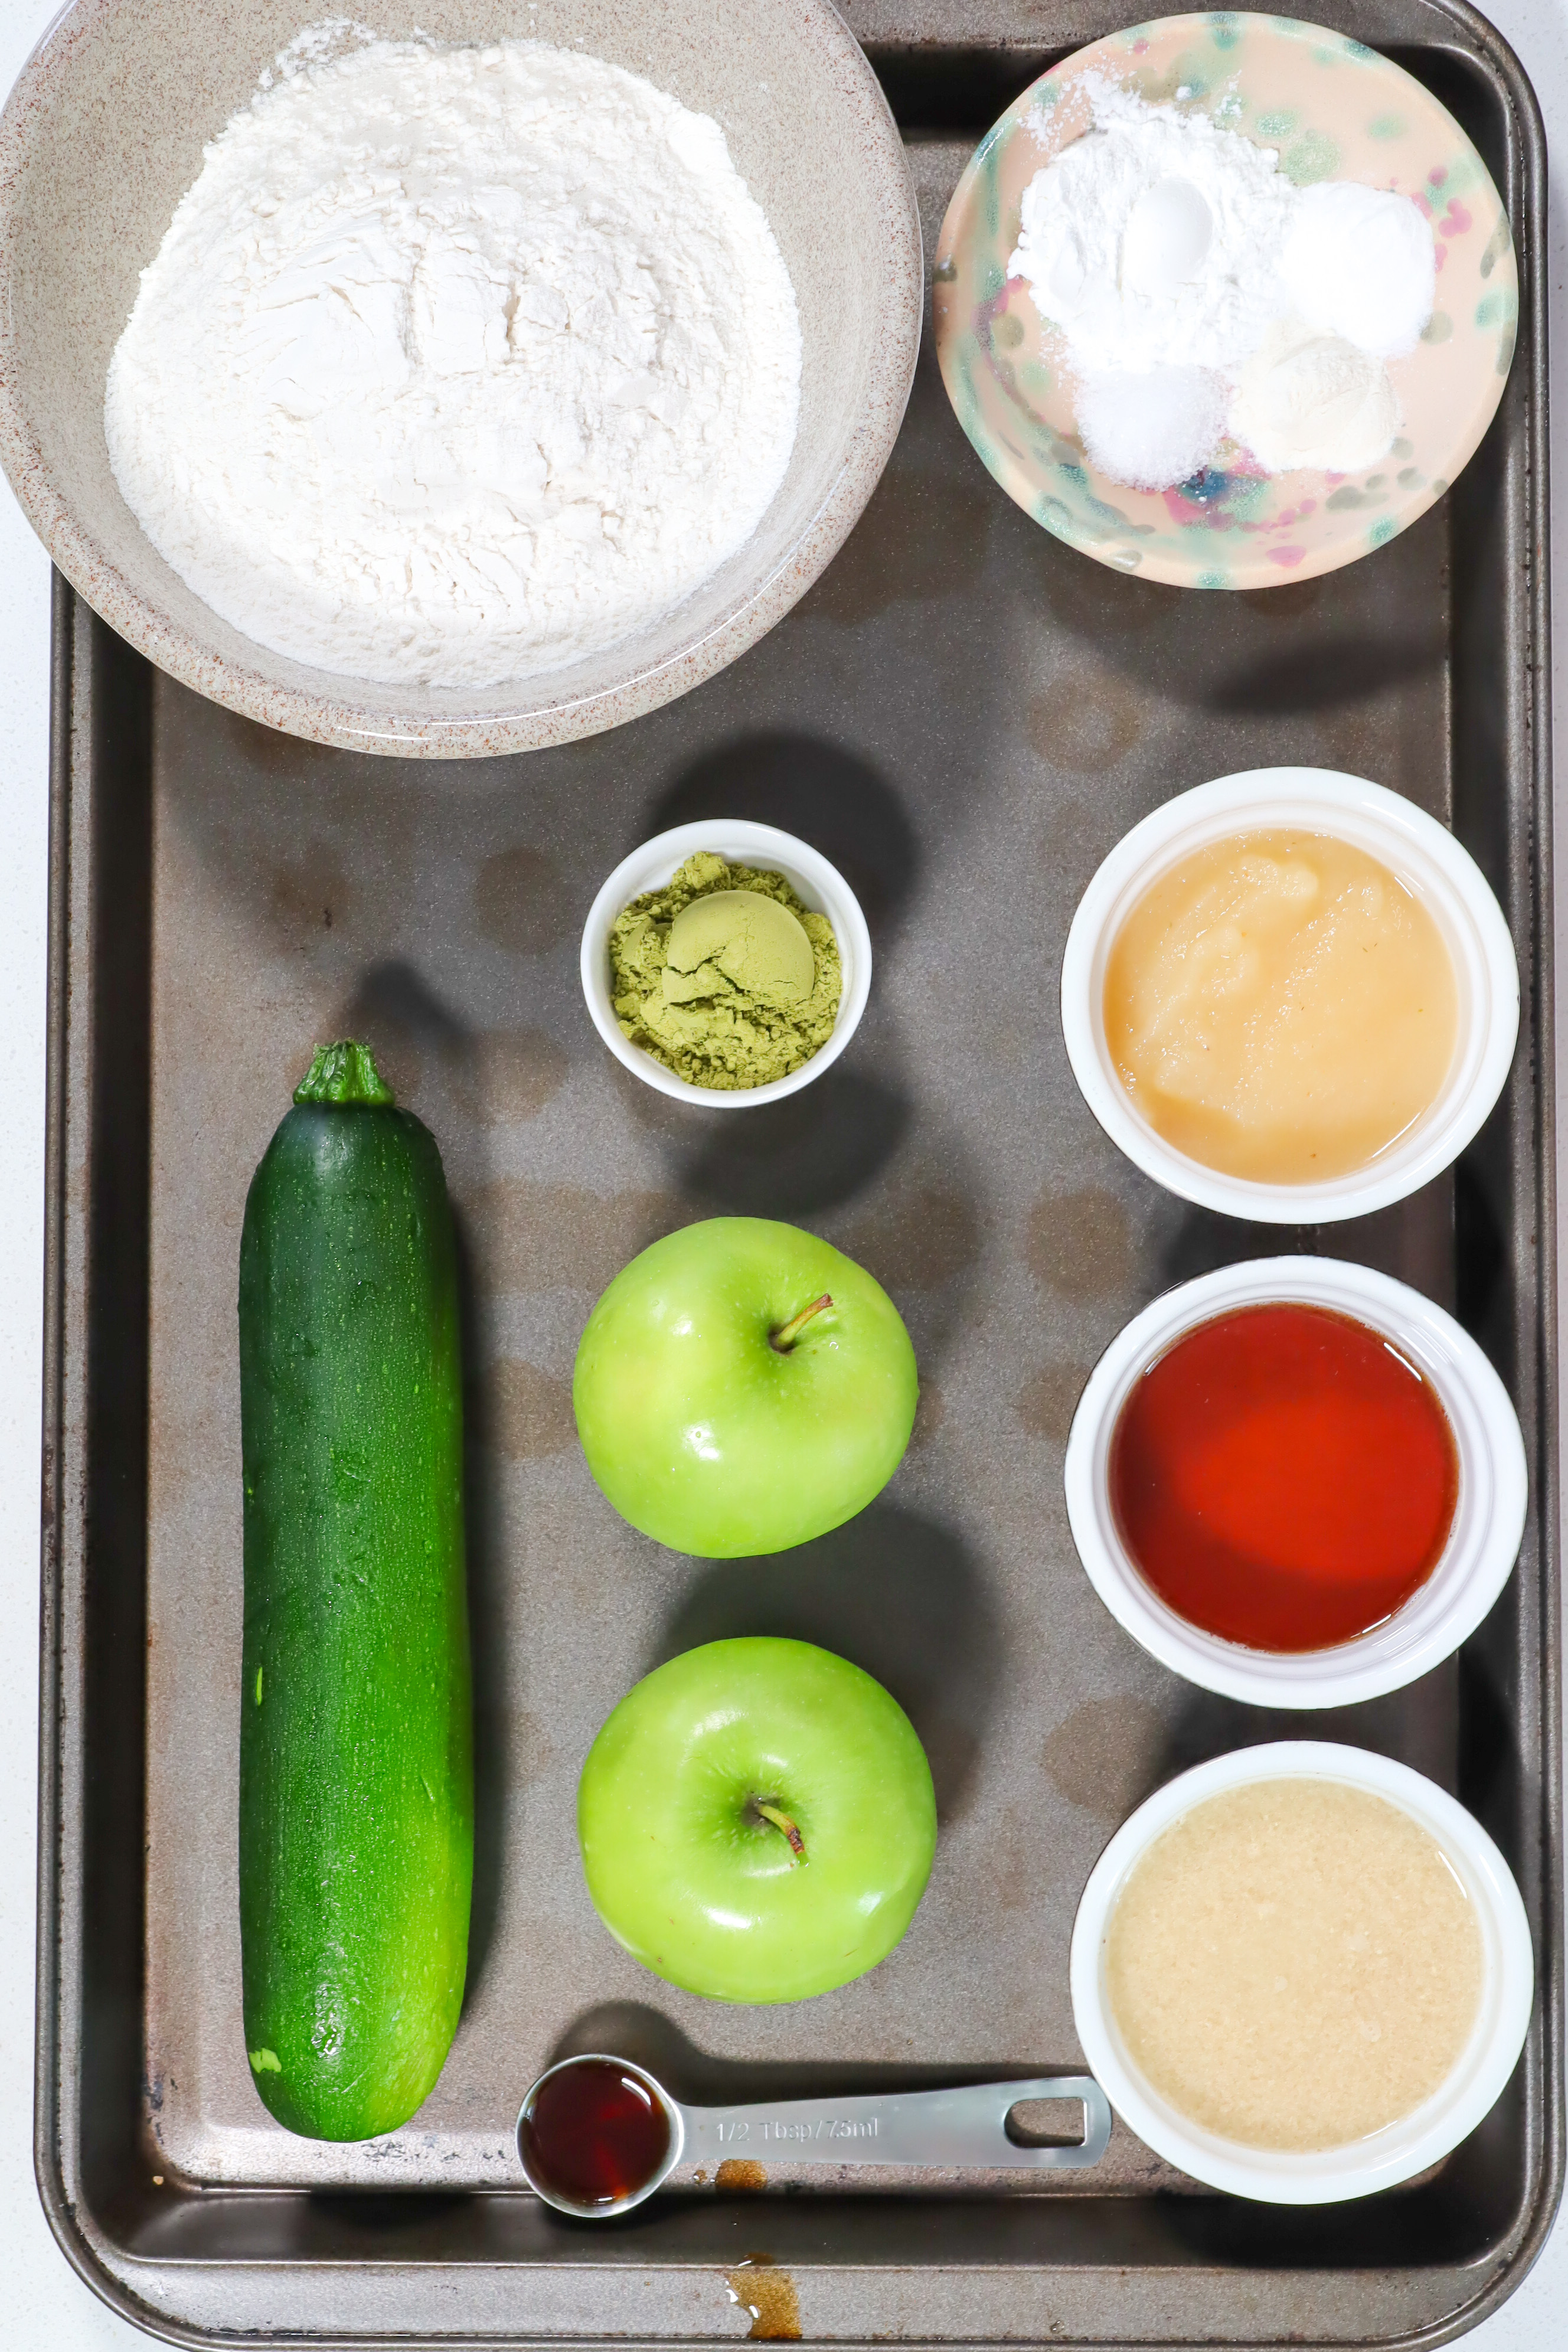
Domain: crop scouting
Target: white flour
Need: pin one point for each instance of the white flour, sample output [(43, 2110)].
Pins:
[(1080, 211), (456, 364)]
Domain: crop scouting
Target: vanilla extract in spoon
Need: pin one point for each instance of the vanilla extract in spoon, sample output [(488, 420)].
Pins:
[(593, 2132), (597, 2134)]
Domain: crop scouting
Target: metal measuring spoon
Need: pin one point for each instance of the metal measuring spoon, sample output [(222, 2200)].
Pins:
[(962, 2127)]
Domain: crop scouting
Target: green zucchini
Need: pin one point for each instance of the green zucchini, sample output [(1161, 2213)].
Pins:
[(356, 1818)]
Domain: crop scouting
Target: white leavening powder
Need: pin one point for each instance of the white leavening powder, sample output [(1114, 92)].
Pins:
[(1360, 262), (456, 364)]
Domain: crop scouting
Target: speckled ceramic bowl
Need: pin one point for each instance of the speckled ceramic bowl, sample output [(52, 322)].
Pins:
[(103, 135), (1333, 111)]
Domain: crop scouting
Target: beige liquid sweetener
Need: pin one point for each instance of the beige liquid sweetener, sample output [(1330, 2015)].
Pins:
[(1294, 1964), (1281, 1007)]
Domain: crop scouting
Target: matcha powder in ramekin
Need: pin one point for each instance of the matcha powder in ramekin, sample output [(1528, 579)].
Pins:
[(727, 999)]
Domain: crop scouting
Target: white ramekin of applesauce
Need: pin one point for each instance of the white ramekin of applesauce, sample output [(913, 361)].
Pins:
[(1401, 2149), (1436, 870)]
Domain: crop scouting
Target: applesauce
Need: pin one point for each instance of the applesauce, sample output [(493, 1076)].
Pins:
[(1281, 1007), (1294, 1964)]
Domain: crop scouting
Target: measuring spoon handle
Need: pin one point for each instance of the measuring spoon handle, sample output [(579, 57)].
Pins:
[(962, 2127)]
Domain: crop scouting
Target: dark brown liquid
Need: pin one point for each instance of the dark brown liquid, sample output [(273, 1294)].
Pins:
[(769, 2296), (740, 2172), (596, 2134)]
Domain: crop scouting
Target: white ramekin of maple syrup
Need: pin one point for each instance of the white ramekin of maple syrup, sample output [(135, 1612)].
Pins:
[(1225, 1465)]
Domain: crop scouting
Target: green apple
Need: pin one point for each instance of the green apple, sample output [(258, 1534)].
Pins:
[(741, 1387), (757, 1821)]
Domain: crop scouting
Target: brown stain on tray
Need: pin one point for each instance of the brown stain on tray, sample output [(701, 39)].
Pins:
[(309, 896), (1081, 1242), (930, 1411), (1048, 1400), (521, 1070), (523, 1413), (1085, 722), (537, 1236), (1105, 1756), (521, 902), (760, 2287)]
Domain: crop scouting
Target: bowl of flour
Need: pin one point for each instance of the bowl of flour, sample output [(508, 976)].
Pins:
[(1227, 300), (451, 392)]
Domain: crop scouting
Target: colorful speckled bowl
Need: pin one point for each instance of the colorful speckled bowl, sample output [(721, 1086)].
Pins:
[(1333, 111)]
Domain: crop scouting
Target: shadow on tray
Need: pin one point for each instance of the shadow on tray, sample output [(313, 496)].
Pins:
[(634, 2029), (830, 797), (899, 1595)]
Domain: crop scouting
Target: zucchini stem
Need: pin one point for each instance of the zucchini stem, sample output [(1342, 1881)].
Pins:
[(344, 1073)]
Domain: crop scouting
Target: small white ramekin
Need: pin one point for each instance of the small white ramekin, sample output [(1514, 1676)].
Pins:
[(1401, 2149), (819, 885), (1489, 1515), (1426, 857)]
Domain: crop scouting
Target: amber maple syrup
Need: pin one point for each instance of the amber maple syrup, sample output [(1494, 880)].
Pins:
[(1284, 1477), (596, 2134)]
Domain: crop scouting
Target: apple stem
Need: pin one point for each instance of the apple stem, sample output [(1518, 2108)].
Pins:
[(781, 1821), (785, 1339)]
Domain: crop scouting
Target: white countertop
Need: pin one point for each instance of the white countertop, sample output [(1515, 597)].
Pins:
[(42, 2302)]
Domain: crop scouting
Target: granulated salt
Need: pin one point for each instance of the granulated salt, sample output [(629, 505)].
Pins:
[(1152, 429)]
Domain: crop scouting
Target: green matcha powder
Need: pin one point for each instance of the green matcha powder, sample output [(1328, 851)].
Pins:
[(719, 1025)]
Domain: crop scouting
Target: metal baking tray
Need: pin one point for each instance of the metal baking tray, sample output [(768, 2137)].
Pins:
[(965, 715)]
